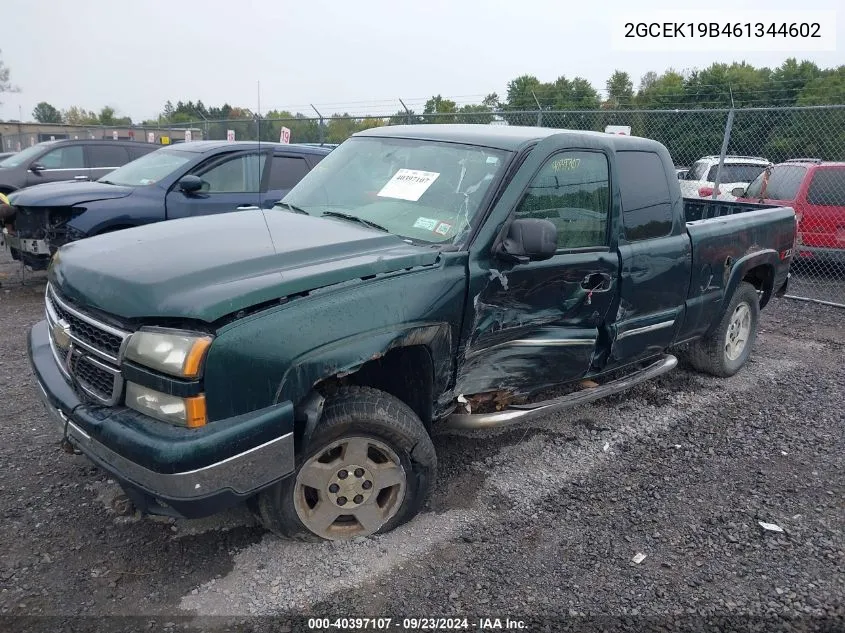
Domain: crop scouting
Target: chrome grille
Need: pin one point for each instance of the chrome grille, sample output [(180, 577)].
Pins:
[(87, 350), (90, 334)]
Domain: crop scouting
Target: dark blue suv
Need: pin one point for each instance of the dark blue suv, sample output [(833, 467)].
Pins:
[(188, 179)]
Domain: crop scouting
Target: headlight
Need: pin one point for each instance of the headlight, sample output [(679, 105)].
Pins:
[(188, 412), (170, 351)]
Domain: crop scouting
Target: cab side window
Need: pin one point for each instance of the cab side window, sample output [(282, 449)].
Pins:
[(572, 190), (646, 200)]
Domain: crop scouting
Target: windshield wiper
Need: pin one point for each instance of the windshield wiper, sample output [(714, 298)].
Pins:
[(354, 218), (292, 207)]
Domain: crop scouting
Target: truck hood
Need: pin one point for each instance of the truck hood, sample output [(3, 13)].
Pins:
[(207, 267), (67, 194)]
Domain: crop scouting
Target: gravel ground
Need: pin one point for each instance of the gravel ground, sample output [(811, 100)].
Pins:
[(539, 523)]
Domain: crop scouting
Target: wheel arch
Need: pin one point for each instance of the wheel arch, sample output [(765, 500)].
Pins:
[(758, 269), (412, 363)]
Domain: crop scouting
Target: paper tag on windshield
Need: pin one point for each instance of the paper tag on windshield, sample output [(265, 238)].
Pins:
[(425, 223), (408, 184)]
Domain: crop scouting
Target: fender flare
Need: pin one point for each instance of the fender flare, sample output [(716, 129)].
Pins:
[(347, 355), (736, 271)]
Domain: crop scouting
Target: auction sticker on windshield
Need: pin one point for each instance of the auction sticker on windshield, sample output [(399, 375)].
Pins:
[(408, 184), (428, 224)]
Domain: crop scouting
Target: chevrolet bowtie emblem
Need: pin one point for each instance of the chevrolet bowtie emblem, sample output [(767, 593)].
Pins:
[(61, 334)]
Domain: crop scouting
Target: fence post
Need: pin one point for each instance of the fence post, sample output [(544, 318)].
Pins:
[(728, 126), (407, 111), (539, 110), (322, 131)]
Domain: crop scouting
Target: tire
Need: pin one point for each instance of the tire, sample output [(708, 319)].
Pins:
[(382, 426), (712, 354)]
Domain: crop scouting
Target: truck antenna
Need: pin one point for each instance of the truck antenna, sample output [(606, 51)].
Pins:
[(258, 131)]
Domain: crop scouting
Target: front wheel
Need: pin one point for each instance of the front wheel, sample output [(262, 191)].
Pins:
[(725, 350), (367, 469)]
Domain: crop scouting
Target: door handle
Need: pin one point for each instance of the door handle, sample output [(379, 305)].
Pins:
[(597, 282), (246, 207), (80, 177)]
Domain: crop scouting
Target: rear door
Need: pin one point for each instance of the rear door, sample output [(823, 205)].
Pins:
[(656, 256), (230, 182), (285, 171), (540, 323), (62, 163), (104, 158)]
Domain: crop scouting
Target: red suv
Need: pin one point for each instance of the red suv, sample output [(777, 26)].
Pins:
[(816, 190)]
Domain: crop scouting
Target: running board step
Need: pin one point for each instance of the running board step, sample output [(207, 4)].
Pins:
[(524, 412)]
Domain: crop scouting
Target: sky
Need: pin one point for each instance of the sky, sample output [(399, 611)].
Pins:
[(359, 57)]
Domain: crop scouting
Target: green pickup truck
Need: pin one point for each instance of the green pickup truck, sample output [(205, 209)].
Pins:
[(420, 277)]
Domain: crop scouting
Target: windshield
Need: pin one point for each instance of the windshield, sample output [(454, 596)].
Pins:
[(148, 169), (24, 155), (779, 183), (420, 190)]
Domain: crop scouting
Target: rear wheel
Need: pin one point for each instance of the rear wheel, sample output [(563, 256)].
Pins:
[(367, 469), (725, 350)]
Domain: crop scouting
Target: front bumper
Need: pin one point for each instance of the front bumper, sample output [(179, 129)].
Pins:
[(26, 245), (249, 453)]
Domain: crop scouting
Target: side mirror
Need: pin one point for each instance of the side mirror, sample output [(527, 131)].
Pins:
[(190, 184), (529, 239), (36, 167), (738, 192)]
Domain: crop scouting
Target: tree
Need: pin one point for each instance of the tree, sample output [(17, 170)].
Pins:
[(491, 101), (620, 90), (826, 89), (5, 86), (79, 116), (46, 113), (521, 93), (439, 105), (790, 78)]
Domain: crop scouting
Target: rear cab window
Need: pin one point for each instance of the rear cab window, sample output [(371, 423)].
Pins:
[(646, 200)]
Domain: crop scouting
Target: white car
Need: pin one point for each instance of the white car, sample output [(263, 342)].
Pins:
[(737, 171)]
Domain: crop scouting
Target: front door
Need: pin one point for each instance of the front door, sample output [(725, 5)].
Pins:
[(545, 322), (229, 184)]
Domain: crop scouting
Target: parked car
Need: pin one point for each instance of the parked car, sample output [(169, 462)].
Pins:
[(299, 357), (681, 172), (78, 159), (5, 155), (737, 171), (197, 178), (816, 190)]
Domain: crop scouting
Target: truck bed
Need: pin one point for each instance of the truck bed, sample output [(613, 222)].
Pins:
[(723, 234), (696, 209)]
